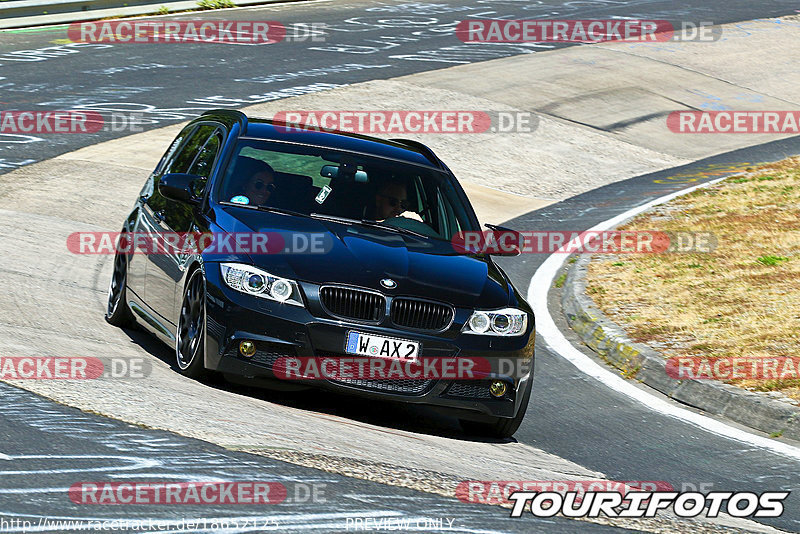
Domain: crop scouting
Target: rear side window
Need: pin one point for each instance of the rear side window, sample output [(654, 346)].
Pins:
[(204, 162), (190, 150)]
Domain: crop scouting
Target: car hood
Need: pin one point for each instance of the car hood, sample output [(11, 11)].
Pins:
[(363, 256)]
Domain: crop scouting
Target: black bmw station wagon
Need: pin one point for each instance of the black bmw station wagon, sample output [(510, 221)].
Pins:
[(330, 262)]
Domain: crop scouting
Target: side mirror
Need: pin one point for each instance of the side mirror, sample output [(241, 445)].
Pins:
[(497, 241), (507, 242), (179, 187)]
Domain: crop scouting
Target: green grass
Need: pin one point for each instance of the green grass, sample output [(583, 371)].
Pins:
[(215, 4), (38, 30), (559, 283), (771, 260)]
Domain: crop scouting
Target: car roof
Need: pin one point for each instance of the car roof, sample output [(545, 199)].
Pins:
[(398, 149)]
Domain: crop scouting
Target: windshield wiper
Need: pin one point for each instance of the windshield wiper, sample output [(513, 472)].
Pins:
[(270, 209), (367, 222), (398, 229), (334, 218), (282, 211)]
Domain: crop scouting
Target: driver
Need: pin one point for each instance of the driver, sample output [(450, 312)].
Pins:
[(391, 200)]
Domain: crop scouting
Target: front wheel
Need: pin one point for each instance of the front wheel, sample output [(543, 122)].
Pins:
[(501, 427), (117, 311), (190, 339)]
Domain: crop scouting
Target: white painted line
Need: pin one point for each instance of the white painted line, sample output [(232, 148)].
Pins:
[(326, 522), (552, 336), (4, 456)]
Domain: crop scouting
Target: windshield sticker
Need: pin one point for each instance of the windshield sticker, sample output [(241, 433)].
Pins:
[(240, 199), (323, 194)]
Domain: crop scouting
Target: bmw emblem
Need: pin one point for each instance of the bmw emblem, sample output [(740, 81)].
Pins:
[(388, 283)]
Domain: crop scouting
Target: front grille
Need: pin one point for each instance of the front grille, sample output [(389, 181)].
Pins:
[(349, 303), (472, 389), (410, 386), (215, 329), (406, 387), (421, 314)]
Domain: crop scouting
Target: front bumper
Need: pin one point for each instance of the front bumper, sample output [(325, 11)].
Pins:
[(286, 331)]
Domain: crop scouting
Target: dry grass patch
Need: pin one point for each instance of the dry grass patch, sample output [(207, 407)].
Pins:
[(742, 300)]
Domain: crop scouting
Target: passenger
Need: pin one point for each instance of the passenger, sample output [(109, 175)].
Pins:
[(260, 186)]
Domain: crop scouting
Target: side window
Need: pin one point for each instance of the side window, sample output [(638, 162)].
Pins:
[(190, 150), (165, 163), (204, 162), (450, 211), (169, 156), (442, 212), (421, 204), (180, 160)]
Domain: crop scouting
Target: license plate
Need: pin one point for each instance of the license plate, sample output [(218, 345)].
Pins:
[(381, 347)]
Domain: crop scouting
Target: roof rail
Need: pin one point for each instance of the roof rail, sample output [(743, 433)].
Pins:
[(232, 113), (424, 149)]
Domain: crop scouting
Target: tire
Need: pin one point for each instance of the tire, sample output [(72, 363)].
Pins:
[(190, 335), (117, 311), (501, 427)]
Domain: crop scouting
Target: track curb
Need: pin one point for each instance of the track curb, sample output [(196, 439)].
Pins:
[(641, 362), (16, 14)]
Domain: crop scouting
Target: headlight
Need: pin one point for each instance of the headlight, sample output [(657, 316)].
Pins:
[(507, 322), (254, 281)]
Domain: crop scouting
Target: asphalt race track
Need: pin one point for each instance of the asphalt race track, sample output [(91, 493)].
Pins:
[(72, 446), (368, 40), (45, 447)]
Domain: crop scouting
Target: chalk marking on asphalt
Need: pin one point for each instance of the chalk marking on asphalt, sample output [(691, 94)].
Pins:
[(134, 463), (537, 295)]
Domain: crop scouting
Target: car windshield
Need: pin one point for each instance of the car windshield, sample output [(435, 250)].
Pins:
[(335, 185)]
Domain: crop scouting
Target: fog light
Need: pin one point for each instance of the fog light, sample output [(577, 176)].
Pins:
[(498, 388), (247, 348)]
